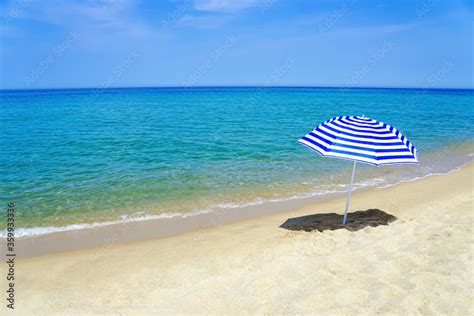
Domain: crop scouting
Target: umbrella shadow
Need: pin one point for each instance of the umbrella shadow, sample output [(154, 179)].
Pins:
[(332, 221)]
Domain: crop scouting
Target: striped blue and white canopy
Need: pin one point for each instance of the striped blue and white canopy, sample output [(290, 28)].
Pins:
[(361, 139)]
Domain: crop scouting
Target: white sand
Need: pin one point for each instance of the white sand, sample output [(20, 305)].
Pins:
[(420, 264)]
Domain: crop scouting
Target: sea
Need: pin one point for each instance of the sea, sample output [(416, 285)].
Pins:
[(80, 158)]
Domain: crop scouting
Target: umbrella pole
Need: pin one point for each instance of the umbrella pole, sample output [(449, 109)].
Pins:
[(349, 194)]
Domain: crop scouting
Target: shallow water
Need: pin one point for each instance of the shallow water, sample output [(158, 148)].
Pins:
[(85, 156)]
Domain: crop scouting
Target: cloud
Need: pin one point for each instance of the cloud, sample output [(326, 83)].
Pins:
[(111, 16), (224, 5), (203, 22)]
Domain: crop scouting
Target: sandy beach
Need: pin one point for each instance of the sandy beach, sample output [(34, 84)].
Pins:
[(421, 263)]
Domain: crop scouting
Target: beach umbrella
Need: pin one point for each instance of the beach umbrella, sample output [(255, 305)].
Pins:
[(360, 139)]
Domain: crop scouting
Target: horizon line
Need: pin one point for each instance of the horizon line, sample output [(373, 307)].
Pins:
[(234, 86)]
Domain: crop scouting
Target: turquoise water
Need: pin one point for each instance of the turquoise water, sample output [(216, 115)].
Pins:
[(90, 156)]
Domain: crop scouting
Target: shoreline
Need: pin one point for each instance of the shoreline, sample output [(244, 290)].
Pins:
[(368, 179), (144, 229), (157, 228)]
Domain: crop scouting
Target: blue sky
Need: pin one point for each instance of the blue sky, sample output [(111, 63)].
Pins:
[(350, 43)]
